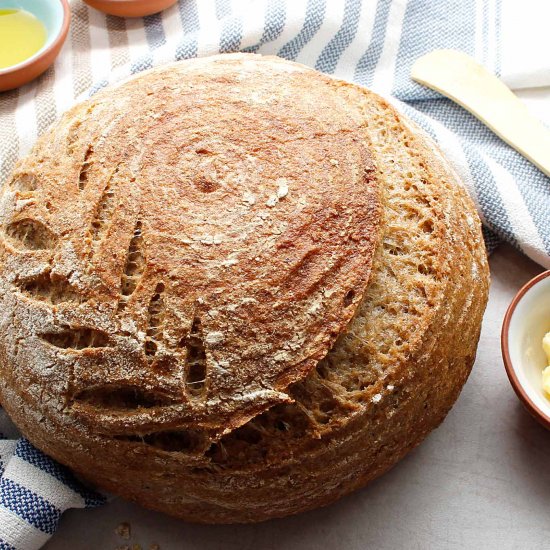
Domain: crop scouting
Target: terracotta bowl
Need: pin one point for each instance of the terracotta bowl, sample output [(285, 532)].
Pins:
[(130, 8), (525, 324), (56, 15)]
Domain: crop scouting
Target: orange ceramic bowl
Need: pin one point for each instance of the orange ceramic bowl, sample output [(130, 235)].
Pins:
[(130, 8), (525, 324), (56, 16)]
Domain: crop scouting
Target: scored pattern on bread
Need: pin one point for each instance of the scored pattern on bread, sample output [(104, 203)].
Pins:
[(85, 168), (155, 320), (24, 183), (262, 232), (104, 210), (261, 246), (195, 359), (133, 267), (122, 398), (73, 130), (188, 441), (30, 234), (55, 291), (391, 356), (76, 338)]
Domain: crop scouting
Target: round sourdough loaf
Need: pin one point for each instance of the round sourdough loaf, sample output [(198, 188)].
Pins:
[(234, 289)]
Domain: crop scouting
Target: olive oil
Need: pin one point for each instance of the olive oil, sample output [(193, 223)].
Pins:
[(21, 36)]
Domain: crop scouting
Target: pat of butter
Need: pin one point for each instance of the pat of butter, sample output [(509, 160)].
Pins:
[(546, 380), (546, 371)]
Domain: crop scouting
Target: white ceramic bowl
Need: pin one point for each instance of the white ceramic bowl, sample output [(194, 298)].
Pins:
[(525, 324)]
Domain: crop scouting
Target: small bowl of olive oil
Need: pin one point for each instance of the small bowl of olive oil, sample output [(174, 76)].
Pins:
[(32, 33)]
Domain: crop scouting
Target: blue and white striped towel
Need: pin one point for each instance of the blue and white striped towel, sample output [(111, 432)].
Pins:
[(34, 492), (371, 42)]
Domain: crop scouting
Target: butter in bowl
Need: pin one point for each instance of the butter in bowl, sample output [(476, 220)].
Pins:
[(32, 33), (526, 345)]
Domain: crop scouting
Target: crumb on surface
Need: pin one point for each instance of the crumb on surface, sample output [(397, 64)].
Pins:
[(124, 530), (376, 398)]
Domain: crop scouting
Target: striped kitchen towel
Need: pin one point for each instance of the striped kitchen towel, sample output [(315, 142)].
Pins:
[(371, 42), (34, 491)]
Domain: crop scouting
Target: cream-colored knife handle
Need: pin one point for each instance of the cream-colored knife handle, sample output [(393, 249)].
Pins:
[(459, 77)]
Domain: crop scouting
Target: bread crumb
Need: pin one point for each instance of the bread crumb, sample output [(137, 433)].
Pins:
[(249, 198), (20, 204), (214, 338), (280, 356), (124, 530), (211, 239), (207, 239), (230, 262), (283, 188)]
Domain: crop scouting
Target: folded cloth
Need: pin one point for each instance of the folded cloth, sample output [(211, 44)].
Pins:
[(371, 42), (34, 491)]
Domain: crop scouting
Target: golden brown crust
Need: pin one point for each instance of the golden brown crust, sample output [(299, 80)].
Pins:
[(215, 234), (389, 379)]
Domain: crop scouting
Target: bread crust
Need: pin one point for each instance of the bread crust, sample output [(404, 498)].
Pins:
[(388, 380), (213, 233)]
